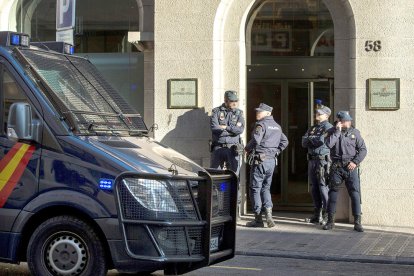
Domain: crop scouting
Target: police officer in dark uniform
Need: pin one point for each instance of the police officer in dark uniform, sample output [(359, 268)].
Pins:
[(318, 163), (227, 124), (267, 142), (348, 150)]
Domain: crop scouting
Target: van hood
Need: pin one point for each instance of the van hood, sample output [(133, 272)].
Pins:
[(144, 154)]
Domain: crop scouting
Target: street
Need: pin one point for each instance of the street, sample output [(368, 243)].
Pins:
[(246, 265)]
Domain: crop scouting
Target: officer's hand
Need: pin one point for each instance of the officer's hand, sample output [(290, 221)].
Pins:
[(223, 127), (339, 126), (351, 166)]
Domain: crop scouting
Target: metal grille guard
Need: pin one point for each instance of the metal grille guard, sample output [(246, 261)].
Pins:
[(204, 214)]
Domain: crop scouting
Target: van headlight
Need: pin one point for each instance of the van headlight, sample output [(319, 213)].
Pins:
[(151, 194)]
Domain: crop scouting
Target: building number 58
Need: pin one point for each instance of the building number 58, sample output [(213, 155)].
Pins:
[(372, 45)]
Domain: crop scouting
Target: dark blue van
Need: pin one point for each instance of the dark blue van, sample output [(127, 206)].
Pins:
[(84, 189)]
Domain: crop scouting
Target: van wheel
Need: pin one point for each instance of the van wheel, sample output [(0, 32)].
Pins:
[(65, 245)]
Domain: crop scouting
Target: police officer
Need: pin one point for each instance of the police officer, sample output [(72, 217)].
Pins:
[(266, 144), (227, 124), (348, 150), (318, 163)]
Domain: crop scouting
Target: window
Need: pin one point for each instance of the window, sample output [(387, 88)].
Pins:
[(286, 28), (102, 26), (101, 34), (10, 93)]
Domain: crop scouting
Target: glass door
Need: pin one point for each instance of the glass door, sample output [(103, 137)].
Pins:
[(293, 108), (299, 116)]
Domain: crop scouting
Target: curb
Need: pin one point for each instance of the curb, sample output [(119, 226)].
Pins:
[(353, 259)]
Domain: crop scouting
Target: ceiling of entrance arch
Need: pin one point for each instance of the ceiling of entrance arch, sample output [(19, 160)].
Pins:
[(291, 28)]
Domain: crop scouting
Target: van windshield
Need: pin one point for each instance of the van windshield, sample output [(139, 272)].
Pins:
[(79, 92)]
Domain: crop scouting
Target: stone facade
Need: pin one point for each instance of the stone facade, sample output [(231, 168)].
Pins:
[(206, 40)]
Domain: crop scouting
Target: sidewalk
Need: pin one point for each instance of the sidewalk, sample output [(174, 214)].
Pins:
[(293, 238)]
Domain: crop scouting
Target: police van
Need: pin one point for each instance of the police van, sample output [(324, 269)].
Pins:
[(84, 189)]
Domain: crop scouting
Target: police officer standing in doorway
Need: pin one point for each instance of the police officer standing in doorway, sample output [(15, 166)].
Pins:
[(348, 150), (318, 163), (227, 124), (267, 142)]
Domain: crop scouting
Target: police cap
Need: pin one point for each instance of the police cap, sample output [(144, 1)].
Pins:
[(264, 107), (324, 110), (344, 116), (231, 95)]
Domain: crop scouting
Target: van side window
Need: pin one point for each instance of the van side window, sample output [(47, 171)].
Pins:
[(10, 92)]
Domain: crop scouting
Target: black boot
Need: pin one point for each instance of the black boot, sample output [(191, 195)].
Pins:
[(317, 216), (324, 217), (357, 224), (258, 221), (330, 223), (269, 218)]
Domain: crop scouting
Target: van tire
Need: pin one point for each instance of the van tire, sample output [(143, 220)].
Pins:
[(65, 245)]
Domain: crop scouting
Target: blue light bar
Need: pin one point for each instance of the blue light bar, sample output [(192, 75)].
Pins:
[(106, 184), (69, 49), (15, 39), (224, 186)]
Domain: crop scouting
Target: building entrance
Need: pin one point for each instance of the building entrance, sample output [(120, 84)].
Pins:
[(293, 108), (290, 63)]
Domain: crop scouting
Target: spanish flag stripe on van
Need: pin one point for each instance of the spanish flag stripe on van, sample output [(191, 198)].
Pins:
[(6, 159), (12, 167)]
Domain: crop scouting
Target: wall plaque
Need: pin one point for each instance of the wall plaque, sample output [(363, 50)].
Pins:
[(182, 93), (384, 94)]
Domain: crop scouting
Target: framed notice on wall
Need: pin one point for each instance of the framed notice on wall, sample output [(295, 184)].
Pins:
[(384, 94), (182, 93)]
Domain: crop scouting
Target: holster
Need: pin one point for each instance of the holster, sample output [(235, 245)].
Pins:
[(238, 149), (328, 167), (256, 158), (250, 158)]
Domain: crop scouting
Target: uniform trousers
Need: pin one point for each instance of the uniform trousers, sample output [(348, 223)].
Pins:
[(341, 174), (317, 170), (260, 182)]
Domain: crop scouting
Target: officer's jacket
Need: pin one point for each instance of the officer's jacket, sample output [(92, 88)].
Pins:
[(267, 137), (346, 145), (234, 122), (314, 139)]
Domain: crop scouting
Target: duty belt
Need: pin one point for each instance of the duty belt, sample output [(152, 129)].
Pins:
[(224, 145), (318, 157), (340, 163)]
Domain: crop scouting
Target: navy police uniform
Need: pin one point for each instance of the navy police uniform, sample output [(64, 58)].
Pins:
[(318, 164), (225, 142), (267, 142), (346, 146)]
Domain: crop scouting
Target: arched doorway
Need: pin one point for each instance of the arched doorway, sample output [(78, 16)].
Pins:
[(290, 64)]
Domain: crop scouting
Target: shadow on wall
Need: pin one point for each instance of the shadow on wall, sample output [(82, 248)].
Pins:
[(191, 136)]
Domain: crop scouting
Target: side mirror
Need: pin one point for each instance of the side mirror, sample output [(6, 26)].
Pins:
[(20, 124)]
